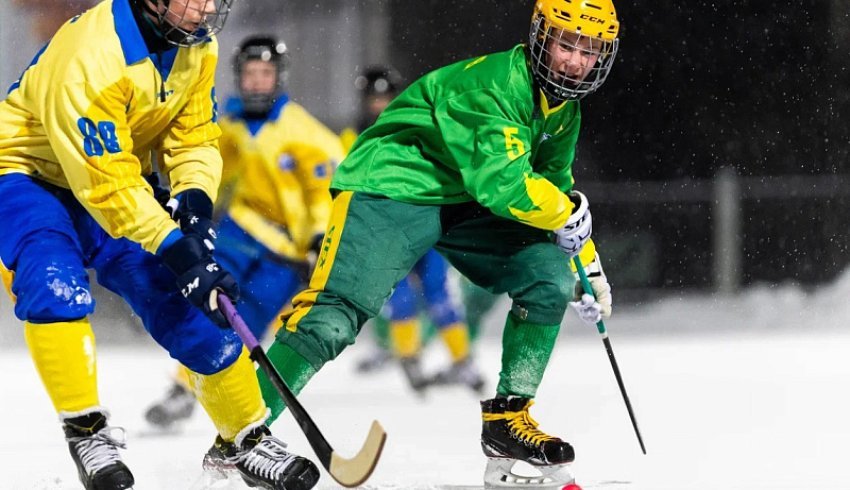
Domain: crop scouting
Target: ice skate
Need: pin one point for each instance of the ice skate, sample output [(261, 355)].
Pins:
[(509, 435), (262, 461), (464, 372), (94, 447), (413, 372), (374, 361), (177, 405)]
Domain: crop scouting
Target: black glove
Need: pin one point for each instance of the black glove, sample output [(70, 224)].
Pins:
[(160, 192), (193, 209), (199, 277)]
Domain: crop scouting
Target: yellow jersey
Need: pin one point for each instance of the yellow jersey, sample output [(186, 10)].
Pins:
[(93, 106), (280, 170)]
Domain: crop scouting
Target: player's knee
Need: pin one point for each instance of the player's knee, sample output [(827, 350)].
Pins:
[(323, 335), (206, 352), (51, 291), (545, 303)]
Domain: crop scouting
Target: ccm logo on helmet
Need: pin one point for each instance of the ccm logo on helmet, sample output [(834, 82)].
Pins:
[(592, 18)]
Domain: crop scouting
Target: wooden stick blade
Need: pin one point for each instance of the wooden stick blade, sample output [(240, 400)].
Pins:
[(353, 472)]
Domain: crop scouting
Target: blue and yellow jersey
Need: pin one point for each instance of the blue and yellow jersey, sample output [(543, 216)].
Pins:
[(280, 169), (93, 106)]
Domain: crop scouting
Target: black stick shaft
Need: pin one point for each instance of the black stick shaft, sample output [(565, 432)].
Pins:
[(317, 441), (600, 325), (610, 351)]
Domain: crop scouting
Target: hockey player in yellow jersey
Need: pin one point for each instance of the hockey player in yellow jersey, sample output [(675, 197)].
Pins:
[(275, 201), (120, 82)]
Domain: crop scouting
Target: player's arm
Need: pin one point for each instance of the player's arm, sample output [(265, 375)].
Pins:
[(493, 150), (189, 147), (87, 128), (315, 178), (232, 164), (317, 157), (190, 153), (555, 160), (556, 155)]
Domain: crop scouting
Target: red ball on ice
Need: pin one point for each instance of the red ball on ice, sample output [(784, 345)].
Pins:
[(571, 486)]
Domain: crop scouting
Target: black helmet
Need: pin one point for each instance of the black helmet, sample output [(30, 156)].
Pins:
[(209, 24), (264, 48), (378, 80)]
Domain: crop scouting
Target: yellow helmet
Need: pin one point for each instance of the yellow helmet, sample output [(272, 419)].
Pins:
[(589, 27)]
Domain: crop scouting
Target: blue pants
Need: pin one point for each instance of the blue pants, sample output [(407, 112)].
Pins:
[(48, 242), (427, 286), (266, 281)]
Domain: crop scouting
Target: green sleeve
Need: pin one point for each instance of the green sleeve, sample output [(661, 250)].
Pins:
[(485, 135), (557, 154)]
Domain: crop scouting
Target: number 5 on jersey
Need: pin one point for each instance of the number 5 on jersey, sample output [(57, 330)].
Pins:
[(98, 136), (513, 145)]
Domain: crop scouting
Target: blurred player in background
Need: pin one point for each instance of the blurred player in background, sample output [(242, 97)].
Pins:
[(124, 80), (429, 288), (274, 201)]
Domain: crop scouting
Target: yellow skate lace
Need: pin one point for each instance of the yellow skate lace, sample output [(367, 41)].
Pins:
[(521, 424)]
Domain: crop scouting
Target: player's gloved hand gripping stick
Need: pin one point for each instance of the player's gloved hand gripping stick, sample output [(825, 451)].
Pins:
[(347, 472), (600, 325)]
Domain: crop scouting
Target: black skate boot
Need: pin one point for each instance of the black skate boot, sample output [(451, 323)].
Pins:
[(221, 457), (262, 461), (94, 447), (413, 372), (509, 434), (177, 405), (464, 372)]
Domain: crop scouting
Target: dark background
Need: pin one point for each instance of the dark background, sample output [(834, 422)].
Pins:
[(756, 86)]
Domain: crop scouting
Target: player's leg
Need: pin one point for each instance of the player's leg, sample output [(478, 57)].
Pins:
[(442, 299), (371, 243), (477, 302), (506, 256), (402, 312), (221, 374), (265, 285), (379, 355), (43, 268)]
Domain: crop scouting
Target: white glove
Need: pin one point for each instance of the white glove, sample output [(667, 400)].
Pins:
[(589, 310), (571, 237)]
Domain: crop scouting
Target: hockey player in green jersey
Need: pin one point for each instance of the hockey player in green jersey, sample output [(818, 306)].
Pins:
[(474, 159)]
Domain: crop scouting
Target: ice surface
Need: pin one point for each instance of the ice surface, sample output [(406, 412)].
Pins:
[(746, 393)]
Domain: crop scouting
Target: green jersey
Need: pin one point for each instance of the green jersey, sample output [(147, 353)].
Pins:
[(478, 130)]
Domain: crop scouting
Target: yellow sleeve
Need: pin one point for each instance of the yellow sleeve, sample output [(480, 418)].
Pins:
[(232, 166), (190, 152), (317, 151), (87, 127), (348, 136)]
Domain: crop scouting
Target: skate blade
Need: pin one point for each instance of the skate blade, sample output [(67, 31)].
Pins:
[(511, 473)]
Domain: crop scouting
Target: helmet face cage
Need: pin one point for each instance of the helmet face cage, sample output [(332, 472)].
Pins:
[(261, 49), (544, 36), (176, 13)]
